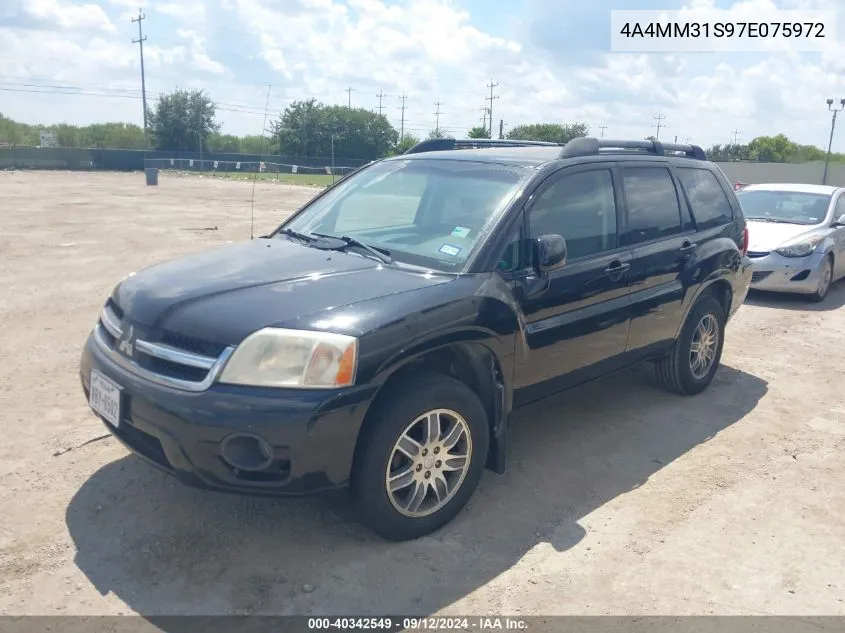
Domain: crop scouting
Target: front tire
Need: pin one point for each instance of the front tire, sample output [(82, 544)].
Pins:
[(691, 364), (421, 456), (825, 280)]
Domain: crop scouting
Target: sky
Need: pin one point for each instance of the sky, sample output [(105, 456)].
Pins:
[(551, 61)]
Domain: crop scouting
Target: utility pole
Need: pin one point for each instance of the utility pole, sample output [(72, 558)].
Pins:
[(484, 118), (736, 136), (380, 96), (501, 129), (659, 118), (602, 128), (437, 117), (349, 92), (491, 85), (402, 125), (835, 110), (140, 42)]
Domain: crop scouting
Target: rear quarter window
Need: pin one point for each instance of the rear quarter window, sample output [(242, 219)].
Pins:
[(709, 203)]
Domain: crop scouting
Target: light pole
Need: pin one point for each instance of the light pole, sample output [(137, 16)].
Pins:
[(835, 110)]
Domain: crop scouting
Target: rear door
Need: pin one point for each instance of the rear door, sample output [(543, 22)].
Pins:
[(577, 318), (658, 229)]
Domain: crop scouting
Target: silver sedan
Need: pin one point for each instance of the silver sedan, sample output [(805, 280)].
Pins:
[(796, 237)]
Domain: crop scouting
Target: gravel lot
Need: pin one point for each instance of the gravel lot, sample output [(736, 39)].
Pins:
[(732, 502)]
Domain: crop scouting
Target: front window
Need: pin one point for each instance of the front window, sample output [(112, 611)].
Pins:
[(791, 207), (425, 212)]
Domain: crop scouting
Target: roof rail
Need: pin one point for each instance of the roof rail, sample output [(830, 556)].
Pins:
[(587, 146), (440, 144)]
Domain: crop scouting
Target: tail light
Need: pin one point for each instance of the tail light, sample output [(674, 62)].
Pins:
[(744, 247)]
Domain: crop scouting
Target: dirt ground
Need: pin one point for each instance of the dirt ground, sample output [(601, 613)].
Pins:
[(732, 502)]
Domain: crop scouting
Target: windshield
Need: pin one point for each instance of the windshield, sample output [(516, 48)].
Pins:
[(425, 212), (794, 207)]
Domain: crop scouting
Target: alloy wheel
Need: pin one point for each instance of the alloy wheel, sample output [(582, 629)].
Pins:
[(428, 463)]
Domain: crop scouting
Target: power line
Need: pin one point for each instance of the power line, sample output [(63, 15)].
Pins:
[(491, 85), (437, 117), (380, 96), (140, 42), (659, 118), (402, 124), (736, 134)]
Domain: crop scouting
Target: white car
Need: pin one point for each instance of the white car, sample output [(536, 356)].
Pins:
[(796, 237)]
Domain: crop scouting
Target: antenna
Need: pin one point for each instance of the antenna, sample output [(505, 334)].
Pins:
[(255, 177)]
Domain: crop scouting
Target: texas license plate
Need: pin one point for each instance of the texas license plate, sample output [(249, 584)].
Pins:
[(104, 397)]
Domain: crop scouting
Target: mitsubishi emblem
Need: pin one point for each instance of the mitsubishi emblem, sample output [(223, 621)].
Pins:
[(126, 345)]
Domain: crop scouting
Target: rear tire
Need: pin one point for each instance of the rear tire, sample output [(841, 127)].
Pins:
[(689, 367), (406, 489), (825, 281)]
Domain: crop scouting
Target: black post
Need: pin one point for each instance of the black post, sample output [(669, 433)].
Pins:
[(829, 146)]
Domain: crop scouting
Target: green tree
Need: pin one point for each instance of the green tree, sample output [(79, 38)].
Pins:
[(255, 144), (405, 144), (183, 121), (478, 132), (310, 128), (550, 132), (438, 134), (224, 143), (772, 149)]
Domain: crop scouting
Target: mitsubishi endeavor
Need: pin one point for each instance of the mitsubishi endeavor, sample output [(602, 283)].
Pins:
[(382, 336)]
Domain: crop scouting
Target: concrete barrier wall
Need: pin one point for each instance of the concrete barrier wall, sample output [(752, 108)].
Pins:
[(755, 173)]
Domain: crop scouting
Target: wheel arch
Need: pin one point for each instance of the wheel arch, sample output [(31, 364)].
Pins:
[(718, 287), (469, 362)]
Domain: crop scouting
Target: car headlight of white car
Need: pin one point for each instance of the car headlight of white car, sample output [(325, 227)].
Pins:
[(276, 357), (801, 248)]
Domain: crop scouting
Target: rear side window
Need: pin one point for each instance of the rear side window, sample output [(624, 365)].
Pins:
[(653, 208), (710, 205)]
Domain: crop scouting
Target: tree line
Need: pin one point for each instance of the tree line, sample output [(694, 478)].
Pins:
[(186, 121)]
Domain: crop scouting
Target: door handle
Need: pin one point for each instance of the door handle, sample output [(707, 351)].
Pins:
[(616, 269), (687, 248)]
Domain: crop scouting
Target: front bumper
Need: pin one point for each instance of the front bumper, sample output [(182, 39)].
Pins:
[(311, 433), (776, 273)]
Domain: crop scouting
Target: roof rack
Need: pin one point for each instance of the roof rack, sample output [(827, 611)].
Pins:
[(587, 146), (440, 144)]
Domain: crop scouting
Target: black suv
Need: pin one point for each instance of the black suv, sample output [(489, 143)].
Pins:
[(381, 337)]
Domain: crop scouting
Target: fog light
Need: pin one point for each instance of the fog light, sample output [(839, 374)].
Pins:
[(246, 451)]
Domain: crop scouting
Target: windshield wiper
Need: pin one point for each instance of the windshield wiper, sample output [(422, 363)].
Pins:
[(382, 254), (777, 220), (302, 236)]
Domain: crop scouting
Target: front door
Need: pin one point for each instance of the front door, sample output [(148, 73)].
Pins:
[(576, 317)]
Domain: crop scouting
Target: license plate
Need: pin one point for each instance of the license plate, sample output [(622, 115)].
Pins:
[(104, 397)]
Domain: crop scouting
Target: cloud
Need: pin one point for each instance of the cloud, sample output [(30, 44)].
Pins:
[(63, 15), (549, 59)]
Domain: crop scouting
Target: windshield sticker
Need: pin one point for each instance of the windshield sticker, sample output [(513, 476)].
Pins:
[(449, 249), (460, 231)]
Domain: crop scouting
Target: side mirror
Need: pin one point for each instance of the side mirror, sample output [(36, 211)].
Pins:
[(840, 221), (550, 252)]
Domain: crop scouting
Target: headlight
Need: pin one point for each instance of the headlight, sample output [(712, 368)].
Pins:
[(274, 357), (800, 249)]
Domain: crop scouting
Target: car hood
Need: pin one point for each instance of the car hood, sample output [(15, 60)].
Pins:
[(767, 236), (222, 295)]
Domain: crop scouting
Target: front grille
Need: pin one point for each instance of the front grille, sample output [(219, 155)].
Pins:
[(190, 344), (759, 275), (166, 357), (757, 254)]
